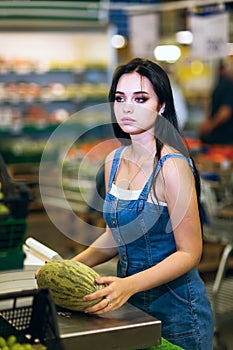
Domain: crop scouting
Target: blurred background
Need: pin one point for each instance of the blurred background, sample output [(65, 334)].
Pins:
[(57, 57), (56, 63)]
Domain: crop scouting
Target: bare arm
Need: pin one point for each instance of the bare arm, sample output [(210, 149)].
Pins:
[(223, 115), (102, 250)]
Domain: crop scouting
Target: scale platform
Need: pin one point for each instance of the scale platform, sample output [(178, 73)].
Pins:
[(123, 329)]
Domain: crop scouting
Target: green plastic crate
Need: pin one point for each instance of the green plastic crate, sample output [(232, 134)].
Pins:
[(12, 236)]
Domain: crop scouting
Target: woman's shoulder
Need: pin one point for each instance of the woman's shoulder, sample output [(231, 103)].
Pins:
[(170, 152), (114, 153), (170, 156)]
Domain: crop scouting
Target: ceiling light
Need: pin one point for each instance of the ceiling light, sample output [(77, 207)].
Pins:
[(169, 53), (184, 37), (229, 49), (197, 67), (118, 41)]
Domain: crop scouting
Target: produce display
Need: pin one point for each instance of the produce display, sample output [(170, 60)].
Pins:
[(43, 94), (68, 282), (4, 210), (11, 343), (217, 155), (24, 150)]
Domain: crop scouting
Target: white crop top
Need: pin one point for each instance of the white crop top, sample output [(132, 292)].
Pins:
[(124, 194)]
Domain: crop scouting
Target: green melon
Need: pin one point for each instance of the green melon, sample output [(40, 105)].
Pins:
[(68, 282)]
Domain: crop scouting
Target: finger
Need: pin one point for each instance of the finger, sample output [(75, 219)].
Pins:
[(109, 304), (99, 294), (105, 279), (101, 307), (36, 273)]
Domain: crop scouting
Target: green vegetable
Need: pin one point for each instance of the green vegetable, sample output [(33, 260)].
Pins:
[(68, 282), (29, 347), (165, 345), (2, 342), (11, 340), (4, 210), (11, 343)]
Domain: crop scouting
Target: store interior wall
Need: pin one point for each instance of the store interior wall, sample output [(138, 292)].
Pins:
[(22, 51), (77, 50)]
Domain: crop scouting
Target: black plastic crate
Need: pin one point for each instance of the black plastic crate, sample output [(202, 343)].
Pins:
[(31, 317)]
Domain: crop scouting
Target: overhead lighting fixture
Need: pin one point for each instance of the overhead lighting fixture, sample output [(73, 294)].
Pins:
[(168, 53), (184, 37), (118, 41), (197, 67), (229, 49)]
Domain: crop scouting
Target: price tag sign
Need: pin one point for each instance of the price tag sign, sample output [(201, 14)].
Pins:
[(143, 41), (210, 35)]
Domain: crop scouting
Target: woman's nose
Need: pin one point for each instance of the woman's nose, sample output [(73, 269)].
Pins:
[(128, 107)]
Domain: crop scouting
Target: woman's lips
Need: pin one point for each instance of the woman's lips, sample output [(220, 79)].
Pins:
[(127, 120)]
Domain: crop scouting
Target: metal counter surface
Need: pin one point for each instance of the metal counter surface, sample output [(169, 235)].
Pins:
[(123, 329)]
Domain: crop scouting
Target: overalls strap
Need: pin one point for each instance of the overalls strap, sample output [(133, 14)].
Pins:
[(115, 163), (144, 192), (155, 172)]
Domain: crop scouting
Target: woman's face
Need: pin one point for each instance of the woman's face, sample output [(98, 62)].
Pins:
[(136, 104)]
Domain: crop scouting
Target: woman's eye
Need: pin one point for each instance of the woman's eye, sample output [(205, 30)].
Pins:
[(119, 99), (141, 99)]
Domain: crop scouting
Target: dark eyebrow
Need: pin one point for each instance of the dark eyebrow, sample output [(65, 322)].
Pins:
[(119, 92), (135, 93)]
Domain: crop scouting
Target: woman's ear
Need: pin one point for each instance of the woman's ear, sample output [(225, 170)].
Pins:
[(162, 108)]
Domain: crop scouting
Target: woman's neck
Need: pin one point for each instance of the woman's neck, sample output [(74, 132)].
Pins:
[(142, 148)]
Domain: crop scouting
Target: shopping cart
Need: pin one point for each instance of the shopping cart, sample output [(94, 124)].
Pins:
[(219, 228)]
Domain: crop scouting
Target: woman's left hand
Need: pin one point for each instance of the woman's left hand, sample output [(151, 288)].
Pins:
[(114, 295), (37, 271)]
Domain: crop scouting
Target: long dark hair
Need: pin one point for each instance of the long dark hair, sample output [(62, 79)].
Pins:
[(166, 127), (162, 87)]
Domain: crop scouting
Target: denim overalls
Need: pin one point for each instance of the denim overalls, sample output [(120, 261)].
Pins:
[(144, 237)]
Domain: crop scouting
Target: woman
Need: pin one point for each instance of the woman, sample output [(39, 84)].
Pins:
[(151, 211)]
